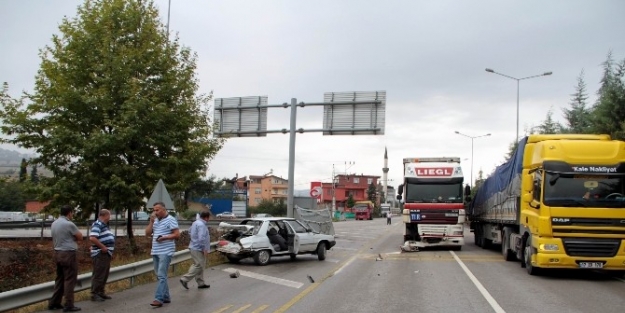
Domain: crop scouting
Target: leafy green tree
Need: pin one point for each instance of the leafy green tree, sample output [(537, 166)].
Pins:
[(578, 116), (350, 201), (23, 170), (609, 110), (34, 177), (549, 125), (11, 196), (371, 193), (115, 108)]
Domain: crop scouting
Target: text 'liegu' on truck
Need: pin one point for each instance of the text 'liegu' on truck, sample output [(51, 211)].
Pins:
[(559, 202), (433, 203)]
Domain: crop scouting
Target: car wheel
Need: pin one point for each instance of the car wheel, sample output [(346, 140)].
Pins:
[(262, 257), (293, 256), (321, 251)]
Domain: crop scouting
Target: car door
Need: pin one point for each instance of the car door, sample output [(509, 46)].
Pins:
[(292, 239), (305, 237)]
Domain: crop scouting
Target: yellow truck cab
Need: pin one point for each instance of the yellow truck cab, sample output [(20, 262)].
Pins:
[(559, 202)]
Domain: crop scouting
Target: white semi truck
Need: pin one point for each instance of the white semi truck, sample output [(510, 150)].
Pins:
[(433, 203)]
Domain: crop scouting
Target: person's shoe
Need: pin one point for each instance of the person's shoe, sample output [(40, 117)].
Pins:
[(184, 284), (72, 309), (156, 304), (203, 286), (54, 307), (105, 296), (97, 298)]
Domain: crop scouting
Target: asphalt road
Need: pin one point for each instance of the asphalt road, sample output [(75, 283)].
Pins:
[(352, 280)]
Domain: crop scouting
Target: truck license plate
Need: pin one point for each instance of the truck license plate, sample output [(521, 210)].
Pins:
[(590, 264), (415, 216)]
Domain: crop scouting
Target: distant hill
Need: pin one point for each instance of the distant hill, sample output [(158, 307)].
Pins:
[(10, 161)]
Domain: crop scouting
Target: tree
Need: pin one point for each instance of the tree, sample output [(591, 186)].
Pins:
[(34, 177), (549, 125), (115, 108), (350, 201), (578, 117), (11, 196), (23, 170), (371, 193), (609, 110)]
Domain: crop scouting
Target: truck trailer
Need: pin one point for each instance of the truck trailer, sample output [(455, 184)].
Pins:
[(558, 202), (433, 203)]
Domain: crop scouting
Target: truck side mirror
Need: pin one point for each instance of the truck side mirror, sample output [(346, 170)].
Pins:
[(467, 199), (467, 191), (399, 197)]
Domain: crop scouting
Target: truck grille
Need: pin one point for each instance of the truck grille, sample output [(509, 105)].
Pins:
[(591, 247), (432, 229)]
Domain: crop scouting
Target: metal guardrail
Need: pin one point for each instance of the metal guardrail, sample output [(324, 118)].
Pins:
[(17, 298)]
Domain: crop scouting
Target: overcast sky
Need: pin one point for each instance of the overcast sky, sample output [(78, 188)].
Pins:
[(429, 56)]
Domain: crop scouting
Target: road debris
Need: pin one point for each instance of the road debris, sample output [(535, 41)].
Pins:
[(310, 278), (235, 274)]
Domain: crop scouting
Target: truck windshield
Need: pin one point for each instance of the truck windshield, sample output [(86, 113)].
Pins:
[(360, 207), (444, 193), (586, 190)]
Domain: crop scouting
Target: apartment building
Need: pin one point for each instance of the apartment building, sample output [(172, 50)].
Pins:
[(269, 187)]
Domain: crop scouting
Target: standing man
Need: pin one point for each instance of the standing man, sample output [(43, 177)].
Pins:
[(164, 231), (102, 245), (65, 234), (199, 247), (388, 218)]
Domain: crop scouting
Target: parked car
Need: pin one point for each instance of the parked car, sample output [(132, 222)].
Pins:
[(224, 215), (264, 238), (141, 216)]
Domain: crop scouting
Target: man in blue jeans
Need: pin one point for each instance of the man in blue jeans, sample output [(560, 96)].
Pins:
[(164, 231)]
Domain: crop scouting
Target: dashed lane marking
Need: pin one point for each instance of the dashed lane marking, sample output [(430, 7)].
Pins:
[(267, 278), (342, 248), (241, 309)]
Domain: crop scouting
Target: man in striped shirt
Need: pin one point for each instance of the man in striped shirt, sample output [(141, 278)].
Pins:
[(102, 246), (164, 231)]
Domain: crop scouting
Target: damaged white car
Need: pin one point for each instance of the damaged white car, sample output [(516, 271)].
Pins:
[(264, 238)]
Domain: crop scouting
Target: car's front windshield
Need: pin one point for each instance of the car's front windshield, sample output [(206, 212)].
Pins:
[(584, 190)]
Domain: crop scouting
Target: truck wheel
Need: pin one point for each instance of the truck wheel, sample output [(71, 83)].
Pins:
[(508, 255), (321, 251), (262, 257), (527, 256)]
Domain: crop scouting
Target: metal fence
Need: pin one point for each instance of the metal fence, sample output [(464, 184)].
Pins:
[(21, 297)]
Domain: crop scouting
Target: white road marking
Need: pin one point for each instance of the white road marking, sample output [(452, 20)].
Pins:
[(332, 260), (271, 279), (342, 248), (345, 265), (493, 303)]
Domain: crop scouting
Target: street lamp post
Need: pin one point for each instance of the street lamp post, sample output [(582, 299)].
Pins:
[(471, 137), (518, 80)]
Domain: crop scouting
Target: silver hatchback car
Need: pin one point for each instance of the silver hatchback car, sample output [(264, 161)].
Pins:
[(264, 238)]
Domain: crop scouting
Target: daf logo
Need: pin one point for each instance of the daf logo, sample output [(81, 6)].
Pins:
[(565, 220)]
